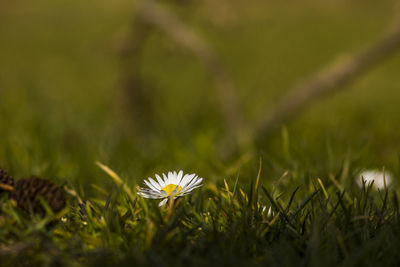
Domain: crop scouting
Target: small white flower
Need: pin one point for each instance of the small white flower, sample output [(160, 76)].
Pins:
[(269, 212), (173, 185), (264, 208), (376, 176)]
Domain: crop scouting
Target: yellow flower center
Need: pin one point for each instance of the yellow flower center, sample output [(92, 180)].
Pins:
[(170, 188)]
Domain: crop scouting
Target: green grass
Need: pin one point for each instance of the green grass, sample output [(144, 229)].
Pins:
[(315, 224), (60, 75)]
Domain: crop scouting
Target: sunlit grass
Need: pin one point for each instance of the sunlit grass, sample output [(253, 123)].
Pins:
[(221, 223), (60, 75)]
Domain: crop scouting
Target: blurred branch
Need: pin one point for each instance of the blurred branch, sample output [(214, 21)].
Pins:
[(160, 18), (132, 98), (331, 79)]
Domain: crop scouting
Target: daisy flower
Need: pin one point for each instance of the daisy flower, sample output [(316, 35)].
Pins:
[(173, 185), (376, 176)]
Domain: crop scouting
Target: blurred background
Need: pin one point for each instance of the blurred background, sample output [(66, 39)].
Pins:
[(146, 92)]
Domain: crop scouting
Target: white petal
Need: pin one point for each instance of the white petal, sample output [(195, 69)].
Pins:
[(156, 185), (148, 193), (176, 181), (171, 178), (197, 181), (179, 177), (193, 181), (190, 188), (150, 185), (186, 179), (189, 191), (160, 181), (162, 203), (193, 184), (165, 179), (142, 194)]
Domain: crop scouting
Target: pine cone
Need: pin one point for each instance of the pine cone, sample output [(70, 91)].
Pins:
[(27, 191), (5, 179)]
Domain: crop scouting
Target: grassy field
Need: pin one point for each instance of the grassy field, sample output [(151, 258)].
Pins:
[(60, 113)]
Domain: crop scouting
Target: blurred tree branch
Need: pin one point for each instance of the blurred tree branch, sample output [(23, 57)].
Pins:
[(132, 99), (331, 79), (163, 20)]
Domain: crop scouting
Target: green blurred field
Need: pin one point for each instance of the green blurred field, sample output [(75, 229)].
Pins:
[(60, 79), (60, 93)]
